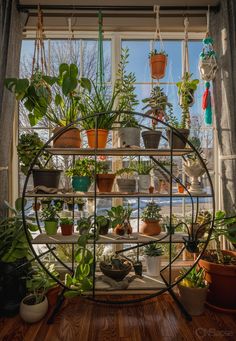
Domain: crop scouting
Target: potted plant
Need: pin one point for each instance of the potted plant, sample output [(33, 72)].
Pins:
[(186, 88), (67, 226), (115, 268), (45, 202), (158, 61), (193, 290), (59, 203), (220, 266), (102, 224), (120, 219), (153, 254), (104, 179), (180, 132), (80, 203), (151, 219), (14, 258), (95, 101), (128, 134), (34, 306), (70, 202), (81, 173), (143, 168), (28, 147), (125, 180), (51, 218), (159, 105), (54, 98)]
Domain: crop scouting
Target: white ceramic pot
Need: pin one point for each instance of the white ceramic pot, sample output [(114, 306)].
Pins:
[(194, 170), (193, 299), (153, 265), (128, 137), (33, 312), (144, 182)]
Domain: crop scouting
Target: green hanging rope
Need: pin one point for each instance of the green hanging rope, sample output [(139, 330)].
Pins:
[(100, 59)]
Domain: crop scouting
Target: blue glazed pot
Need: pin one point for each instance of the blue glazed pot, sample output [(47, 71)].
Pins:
[(81, 183)]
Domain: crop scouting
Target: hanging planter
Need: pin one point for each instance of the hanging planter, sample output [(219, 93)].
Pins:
[(158, 63)]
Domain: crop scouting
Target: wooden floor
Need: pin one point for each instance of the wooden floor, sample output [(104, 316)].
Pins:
[(154, 320)]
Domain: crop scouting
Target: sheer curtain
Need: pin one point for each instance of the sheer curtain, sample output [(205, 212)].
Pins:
[(10, 44), (223, 31)]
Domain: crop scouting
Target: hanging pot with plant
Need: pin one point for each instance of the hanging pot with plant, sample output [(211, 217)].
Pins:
[(158, 63)]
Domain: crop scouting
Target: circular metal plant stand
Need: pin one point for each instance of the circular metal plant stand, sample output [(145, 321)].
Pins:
[(189, 242)]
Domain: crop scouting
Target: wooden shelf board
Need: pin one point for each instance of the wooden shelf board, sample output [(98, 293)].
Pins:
[(110, 238), (114, 195), (118, 151)]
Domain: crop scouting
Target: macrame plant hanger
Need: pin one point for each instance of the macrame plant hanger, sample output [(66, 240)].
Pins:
[(39, 64), (207, 68), (185, 68), (100, 83), (157, 34)]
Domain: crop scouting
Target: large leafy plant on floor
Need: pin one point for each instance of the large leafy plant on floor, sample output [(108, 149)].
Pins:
[(54, 98), (13, 241)]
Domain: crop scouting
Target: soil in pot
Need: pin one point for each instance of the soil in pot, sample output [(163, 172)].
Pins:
[(51, 227), (158, 64), (101, 138), (126, 185), (31, 312), (222, 282), (67, 229), (151, 138), (105, 182), (128, 136), (69, 139), (46, 177), (177, 142), (81, 183), (193, 299), (150, 228)]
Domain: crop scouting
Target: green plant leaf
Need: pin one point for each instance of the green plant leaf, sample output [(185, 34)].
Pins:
[(69, 85), (86, 84), (21, 85), (71, 293)]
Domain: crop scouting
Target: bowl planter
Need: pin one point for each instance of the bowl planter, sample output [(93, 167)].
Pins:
[(31, 312), (151, 138), (102, 135), (144, 182), (150, 228), (81, 183), (51, 227), (153, 265), (193, 299), (116, 274), (222, 284), (105, 182), (177, 143), (128, 136), (69, 139), (158, 64), (46, 177), (194, 169), (67, 229), (126, 185)]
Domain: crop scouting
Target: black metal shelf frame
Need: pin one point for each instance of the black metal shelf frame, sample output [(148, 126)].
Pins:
[(169, 284)]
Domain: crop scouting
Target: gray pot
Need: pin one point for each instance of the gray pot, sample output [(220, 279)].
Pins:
[(144, 182), (128, 137), (126, 185), (177, 142), (193, 299), (151, 138)]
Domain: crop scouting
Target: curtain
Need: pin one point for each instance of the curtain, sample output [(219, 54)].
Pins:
[(10, 44), (223, 31)]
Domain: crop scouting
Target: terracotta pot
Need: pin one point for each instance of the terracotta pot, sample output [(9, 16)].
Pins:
[(222, 283), (105, 182), (69, 139), (150, 228), (193, 299), (102, 138), (36, 207), (180, 189), (30, 312), (67, 229), (52, 295), (177, 141), (158, 64)]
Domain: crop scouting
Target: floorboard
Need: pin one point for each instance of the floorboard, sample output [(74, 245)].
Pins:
[(152, 320)]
